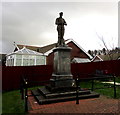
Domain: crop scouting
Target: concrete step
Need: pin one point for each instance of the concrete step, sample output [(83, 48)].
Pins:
[(54, 98), (47, 94), (41, 100), (59, 89)]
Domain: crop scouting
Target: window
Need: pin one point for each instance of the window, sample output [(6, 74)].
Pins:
[(18, 60), (12, 62), (25, 60), (32, 60), (38, 60), (42, 60)]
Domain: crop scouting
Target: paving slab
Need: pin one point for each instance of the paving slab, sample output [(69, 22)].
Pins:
[(95, 105)]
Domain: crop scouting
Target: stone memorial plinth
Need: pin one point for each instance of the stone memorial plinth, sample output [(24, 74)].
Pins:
[(62, 76)]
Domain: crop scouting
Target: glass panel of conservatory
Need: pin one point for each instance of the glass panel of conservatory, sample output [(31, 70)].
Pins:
[(38, 62), (25, 62), (38, 57), (32, 61), (18, 56), (18, 62), (43, 60), (8, 62), (32, 57), (12, 62), (25, 56)]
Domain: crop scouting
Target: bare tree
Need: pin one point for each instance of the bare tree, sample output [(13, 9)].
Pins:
[(110, 54), (104, 51), (95, 52)]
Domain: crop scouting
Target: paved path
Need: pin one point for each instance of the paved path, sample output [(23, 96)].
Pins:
[(116, 83), (96, 105)]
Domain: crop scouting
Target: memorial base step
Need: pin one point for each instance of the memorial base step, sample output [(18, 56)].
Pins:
[(44, 96)]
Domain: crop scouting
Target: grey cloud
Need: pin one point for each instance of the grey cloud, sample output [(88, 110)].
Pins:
[(25, 23)]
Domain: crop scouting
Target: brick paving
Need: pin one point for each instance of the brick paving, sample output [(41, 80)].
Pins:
[(96, 105)]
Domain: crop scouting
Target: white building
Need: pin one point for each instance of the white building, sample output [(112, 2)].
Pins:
[(25, 57)]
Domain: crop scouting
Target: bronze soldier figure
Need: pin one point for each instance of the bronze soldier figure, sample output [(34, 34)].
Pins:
[(60, 22)]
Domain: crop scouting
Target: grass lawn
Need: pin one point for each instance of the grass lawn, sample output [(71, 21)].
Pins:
[(109, 92), (12, 102)]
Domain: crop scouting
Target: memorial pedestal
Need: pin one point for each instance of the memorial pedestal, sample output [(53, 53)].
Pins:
[(62, 76), (62, 86)]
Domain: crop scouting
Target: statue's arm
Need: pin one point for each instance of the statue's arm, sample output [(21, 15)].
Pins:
[(65, 22), (57, 22)]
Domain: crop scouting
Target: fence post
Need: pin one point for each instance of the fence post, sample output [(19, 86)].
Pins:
[(92, 84), (26, 97), (22, 89), (114, 87), (77, 91)]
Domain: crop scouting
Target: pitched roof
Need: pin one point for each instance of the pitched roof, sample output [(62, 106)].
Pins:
[(81, 60), (25, 50), (49, 48), (113, 56), (52, 46), (69, 40), (43, 49), (97, 58), (46, 48)]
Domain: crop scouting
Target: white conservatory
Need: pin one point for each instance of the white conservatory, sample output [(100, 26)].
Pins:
[(25, 57)]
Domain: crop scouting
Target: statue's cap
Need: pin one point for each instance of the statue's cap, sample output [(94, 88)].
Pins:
[(61, 13)]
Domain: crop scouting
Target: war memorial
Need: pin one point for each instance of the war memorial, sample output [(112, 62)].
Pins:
[(62, 86)]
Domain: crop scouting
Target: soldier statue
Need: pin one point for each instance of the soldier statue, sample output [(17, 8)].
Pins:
[(60, 22)]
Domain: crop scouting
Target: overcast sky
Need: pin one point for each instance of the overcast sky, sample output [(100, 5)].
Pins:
[(33, 23)]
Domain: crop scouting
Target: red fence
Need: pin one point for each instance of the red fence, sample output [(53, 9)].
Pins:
[(11, 76), (112, 67)]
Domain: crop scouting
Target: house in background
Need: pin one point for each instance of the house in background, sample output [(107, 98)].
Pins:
[(80, 60), (107, 57), (78, 54), (25, 57), (34, 48), (96, 59)]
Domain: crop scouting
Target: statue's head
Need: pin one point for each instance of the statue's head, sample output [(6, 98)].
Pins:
[(61, 14)]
